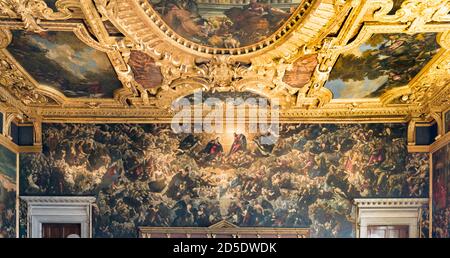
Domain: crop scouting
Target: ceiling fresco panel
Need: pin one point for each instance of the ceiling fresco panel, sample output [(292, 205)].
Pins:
[(60, 60), (225, 23), (383, 62)]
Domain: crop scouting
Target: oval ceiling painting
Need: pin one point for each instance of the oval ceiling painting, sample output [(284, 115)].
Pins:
[(225, 23)]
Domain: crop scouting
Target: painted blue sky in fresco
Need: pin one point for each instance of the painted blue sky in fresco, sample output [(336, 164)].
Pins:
[(351, 90), (383, 62), (77, 63), (354, 89)]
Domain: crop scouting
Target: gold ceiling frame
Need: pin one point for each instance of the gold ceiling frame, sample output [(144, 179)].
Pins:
[(370, 29), (264, 76), (412, 17), (82, 33), (20, 93), (178, 57), (33, 13), (361, 28), (42, 94), (140, 22)]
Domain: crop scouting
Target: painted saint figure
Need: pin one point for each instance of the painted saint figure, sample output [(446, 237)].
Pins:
[(239, 143), (212, 149)]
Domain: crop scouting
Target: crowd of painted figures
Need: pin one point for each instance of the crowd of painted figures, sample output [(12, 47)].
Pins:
[(146, 175), (7, 212), (441, 192), (7, 193), (441, 223)]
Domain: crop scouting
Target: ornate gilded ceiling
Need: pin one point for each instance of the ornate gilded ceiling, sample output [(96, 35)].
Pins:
[(129, 60)]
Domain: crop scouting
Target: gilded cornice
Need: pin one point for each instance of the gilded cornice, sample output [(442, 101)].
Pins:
[(325, 28)]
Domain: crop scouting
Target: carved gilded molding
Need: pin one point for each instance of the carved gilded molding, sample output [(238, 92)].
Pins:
[(221, 228), (138, 20), (20, 86), (323, 28), (439, 143), (31, 12), (415, 13), (344, 112), (178, 56), (390, 202)]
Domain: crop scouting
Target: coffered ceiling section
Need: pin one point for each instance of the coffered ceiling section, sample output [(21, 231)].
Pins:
[(74, 60)]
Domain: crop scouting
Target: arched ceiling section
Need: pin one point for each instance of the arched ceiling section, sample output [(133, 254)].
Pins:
[(226, 24)]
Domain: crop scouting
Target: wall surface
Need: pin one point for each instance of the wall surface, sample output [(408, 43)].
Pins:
[(441, 192), (8, 170), (145, 175)]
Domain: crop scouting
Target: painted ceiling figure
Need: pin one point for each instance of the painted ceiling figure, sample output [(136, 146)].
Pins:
[(255, 21), (145, 70), (165, 5)]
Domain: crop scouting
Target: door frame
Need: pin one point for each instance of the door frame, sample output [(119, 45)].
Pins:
[(389, 212), (58, 209)]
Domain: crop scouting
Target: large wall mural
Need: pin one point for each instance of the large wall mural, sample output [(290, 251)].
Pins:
[(147, 175), (60, 60), (441, 192), (383, 62), (8, 170), (225, 24)]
